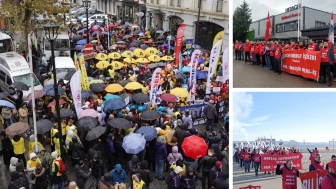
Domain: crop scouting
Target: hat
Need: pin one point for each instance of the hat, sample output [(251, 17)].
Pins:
[(54, 155), (178, 169), (218, 164), (32, 138), (99, 109), (118, 167), (179, 122), (32, 155)]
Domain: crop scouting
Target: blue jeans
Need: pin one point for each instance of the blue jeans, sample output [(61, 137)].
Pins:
[(247, 166), (254, 57), (268, 61), (159, 164), (59, 185)]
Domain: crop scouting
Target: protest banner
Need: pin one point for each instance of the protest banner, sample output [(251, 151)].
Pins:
[(270, 162), (220, 107), (196, 112), (302, 62), (312, 180), (251, 187)]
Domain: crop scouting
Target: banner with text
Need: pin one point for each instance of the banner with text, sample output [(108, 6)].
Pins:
[(270, 162), (179, 43), (302, 62), (312, 180)]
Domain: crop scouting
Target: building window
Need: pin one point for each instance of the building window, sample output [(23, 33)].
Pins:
[(158, 2), (283, 28), (219, 7), (277, 28), (291, 25), (172, 2), (152, 1), (178, 3), (320, 24)]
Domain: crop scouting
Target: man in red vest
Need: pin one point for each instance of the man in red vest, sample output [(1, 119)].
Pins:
[(316, 164), (257, 160), (289, 175), (312, 46), (247, 48), (236, 48), (329, 181), (247, 160), (277, 57)]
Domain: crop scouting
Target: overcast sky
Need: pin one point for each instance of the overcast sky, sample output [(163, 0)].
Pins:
[(261, 7)]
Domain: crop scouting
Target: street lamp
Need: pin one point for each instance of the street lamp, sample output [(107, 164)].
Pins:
[(51, 34), (86, 4)]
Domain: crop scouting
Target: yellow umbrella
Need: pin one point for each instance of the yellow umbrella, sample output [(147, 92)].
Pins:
[(117, 65), (101, 56), (178, 91), (127, 54), (129, 60), (94, 41), (167, 58), (114, 88), (151, 51), (114, 55), (133, 86), (154, 58), (102, 64), (96, 81), (142, 60), (139, 53)]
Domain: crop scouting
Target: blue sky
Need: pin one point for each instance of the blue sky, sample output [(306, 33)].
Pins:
[(284, 115)]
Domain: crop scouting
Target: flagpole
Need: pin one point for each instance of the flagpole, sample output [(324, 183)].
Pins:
[(32, 88), (299, 10)]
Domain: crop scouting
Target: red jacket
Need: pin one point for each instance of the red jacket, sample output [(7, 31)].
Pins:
[(257, 158), (318, 166), (247, 47), (328, 183), (272, 51), (246, 156), (252, 49), (256, 49), (312, 47), (262, 50), (237, 46), (324, 55), (277, 54), (289, 178)]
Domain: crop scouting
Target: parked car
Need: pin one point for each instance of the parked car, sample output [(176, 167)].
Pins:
[(83, 16), (74, 10), (99, 18)]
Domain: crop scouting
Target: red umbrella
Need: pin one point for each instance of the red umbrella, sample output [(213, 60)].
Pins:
[(38, 94), (168, 97), (53, 103), (194, 146)]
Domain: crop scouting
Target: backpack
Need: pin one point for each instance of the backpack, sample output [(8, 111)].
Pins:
[(329, 180), (62, 168)]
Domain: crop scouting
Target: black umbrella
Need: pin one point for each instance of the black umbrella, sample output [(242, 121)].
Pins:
[(86, 123), (20, 86), (133, 45), (137, 41), (43, 126), (69, 75), (118, 39), (161, 37), (95, 133), (141, 98), (149, 115), (151, 66), (136, 32), (125, 95), (179, 76), (65, 113), (124, 82), (121, 42), (120, 123), (97, 87), (77, 37), (4, 95), (126, 37)]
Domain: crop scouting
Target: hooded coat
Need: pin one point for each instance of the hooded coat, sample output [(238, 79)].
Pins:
[(118, 177), (173, 180), (81, 177), (146, 175), (189, 181), (174, 156), (16, 165), (18, 180), (133, 164)]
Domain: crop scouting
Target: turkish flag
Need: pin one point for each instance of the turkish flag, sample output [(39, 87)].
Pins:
[(268, 27)]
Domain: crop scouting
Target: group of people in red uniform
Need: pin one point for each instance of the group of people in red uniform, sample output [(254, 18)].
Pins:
[(268, 54), (247, 157)]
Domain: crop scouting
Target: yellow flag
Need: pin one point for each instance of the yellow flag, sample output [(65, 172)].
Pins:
[(85, 80), (76, 62), (218, 37)]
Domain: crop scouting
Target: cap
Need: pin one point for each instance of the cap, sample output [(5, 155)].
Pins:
[(54, 155), (178, 169), (218, 164)]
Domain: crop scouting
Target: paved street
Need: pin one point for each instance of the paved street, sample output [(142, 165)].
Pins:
[(242, 179), (248, 76)]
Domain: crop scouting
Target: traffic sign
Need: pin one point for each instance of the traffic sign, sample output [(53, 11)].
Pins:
[(88, 48)]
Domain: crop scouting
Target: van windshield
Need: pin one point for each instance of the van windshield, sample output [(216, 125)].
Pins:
[(59, 45), (26, 79), (6, 45), (67, 70)]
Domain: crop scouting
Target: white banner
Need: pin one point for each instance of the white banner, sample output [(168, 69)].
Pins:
[(214, 56), (225, 66), (192, 81), (76, 91), (155, 84)]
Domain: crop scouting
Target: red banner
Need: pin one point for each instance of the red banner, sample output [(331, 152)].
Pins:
[(179, 42), (302, 62), (251, 187), (270, 162), (312, 180)]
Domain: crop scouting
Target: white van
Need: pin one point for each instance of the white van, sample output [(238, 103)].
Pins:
[(14, 68), (61, 47), (64, 64)]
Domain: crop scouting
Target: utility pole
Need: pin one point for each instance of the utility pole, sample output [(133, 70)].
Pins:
[(197, 25)]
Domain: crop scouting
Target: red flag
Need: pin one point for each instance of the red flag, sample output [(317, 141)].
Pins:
[(268, 27), (179, 41)]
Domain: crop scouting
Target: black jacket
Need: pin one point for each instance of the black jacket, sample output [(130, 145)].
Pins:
[(81, 177), (221, 183), (189, 182), (180, 134), (76, 149), (41, 181), (207, 163), (173, 181), (146, 175), (213, 174)]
